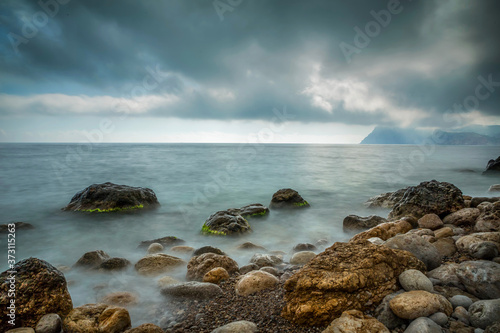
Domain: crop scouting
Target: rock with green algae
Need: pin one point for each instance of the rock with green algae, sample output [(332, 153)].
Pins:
[(286, 199), (225, 222), (251, 211)]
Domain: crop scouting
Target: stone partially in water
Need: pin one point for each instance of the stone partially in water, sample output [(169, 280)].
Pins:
[(251, 211), (493, 167), (354, 223), (225, 223), (287, 198), (109, 197)]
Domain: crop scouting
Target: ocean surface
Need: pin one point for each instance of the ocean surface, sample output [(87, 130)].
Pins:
[(193, 181)]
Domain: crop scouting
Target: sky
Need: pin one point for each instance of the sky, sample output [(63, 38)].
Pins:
[(277, 71)]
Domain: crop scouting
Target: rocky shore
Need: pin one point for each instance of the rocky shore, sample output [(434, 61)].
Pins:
[(431, 265)]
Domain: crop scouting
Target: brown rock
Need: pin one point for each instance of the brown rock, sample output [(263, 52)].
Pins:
[(384, 231), (200, 265), (489, 220), (353, 223), (466, 216), (445, 247), (430, 221), (123, 298), (159, 263), (354, 321), (182, 249), (97, 318), (345, 276), (145, 328), (255, 281), (250, 246), (419, 303), (92, 260), (286, 199), (443, 232), (216, 275)]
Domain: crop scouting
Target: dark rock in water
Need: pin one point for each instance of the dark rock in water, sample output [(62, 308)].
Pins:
[(250, 211), (440, 198), (287, 198), (358, 223), (493, 167), (386, 200), (40, 289), (207, 249), (109, 197), (115, 264), (167, 241), (200, 265), (92, 260), (4, 228), (304, 247), (225, 223)]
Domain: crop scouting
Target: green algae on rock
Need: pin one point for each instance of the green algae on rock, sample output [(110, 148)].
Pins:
[(225, 222)]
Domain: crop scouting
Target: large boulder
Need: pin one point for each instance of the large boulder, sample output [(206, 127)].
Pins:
[(192, 290), (225, 223), (493, 166), (481, 278), (287, 198), (156, 264), (446, 275), (354, 223), (417, 245), (430, 221), (97, 318), (354, 321), (384, 231), (419, 303), (466, 216), (109, 197), (440, 198), (489, 220), (255, 281), (386, 200), (251, 211), (39, 289), (200, 265), (484, 313), (345, 276), (482, 245)]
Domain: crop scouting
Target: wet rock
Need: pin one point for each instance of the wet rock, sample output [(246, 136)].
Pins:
[(423, 325), (484, 313), (248, 268), (493, 167), (356, 322), (225, 223), (115, 264), (109, 197), (250, 246), (384, 314), (304, 247), (216, 275), (384, 231), (15, 226), (192, 290), (92, 260), (241, 326), (145, 328), (413, 279), (430, 221), (476, 201), (271, 270), (345, 276), (200, 265), (443, 232), (463, 217), (461, 300), (494, 188), (167, 241), (489, 220), (207, 249), (480, 278), (255, 281), (156, 264), (167, 281), (40, 289), (155, 248), (386, 200), (461, 314), (182, 249), (302, 257), (354, 223), (445, 247), (287, 198), (251, 211), (50, 323), (419, 247), (419, 303), (122, 298), (439, 318), (440, 198), (97, 318), (263, 260)]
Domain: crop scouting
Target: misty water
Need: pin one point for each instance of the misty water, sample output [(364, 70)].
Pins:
[(193, 181)]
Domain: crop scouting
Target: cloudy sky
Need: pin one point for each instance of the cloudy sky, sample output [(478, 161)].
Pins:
[(244, 70)]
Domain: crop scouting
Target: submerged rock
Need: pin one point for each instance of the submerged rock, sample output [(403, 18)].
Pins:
[(40, 289), (287, 198), (353, 223), (207, 249), (251, 211), (386, 200), (493, 166), (5, 228), (225, 223), (167, 241), (92, 259), (97, 318), (115, 264), (345, 276), (155, 264), (440, 198), (109, 197)]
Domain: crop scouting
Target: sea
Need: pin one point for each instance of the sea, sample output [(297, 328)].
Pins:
[(193, 181)]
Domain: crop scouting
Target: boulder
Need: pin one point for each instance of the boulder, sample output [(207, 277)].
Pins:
[(463, 217), (489, 220), (255, 281), (263, 260), (413, 279), (97, 318), (92, 260), (417, 245), (483, 245), (109, 197), (287, 198), (200, 265), (121, 298), (248, 268), (419, 303), (302, 257), (15, 226), (384, 231), (251, 211), (225, 223), (50, 323), (354, 321), (156, 264), (384, 314), (476, 201), (207, 249), (445, 247), (345, 276), (304, 247), (241, 326), (423, 325), (461, 300), (216, 275), (354, 223), (386, 200), (40, 289), (440, 198), (166, 281), (443, 232), (480, 278), (493, 166), (494, 188), (271, 270), (484, 313), (446, 275), (145, 328), (114, 264), (155, 248), (167, 241), (192, 290), (430, 221)]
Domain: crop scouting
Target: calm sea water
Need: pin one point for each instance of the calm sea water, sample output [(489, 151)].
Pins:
[(193, 181)]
